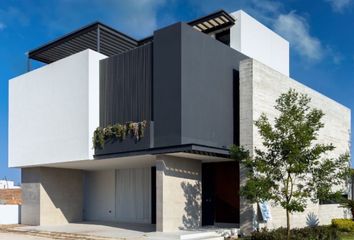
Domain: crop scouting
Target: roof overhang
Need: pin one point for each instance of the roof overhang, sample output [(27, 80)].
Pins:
[(145, 158), (200, 150)]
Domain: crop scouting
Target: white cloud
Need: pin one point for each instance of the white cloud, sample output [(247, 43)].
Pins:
[(137, 18), (339, 5), (297, 31), (139, 15), (2, 26)]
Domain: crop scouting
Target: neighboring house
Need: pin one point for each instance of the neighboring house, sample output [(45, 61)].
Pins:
[(198, 85), (5, 184)]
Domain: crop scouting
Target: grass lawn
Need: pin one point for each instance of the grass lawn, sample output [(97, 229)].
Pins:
[(347, 236), (343, 236)]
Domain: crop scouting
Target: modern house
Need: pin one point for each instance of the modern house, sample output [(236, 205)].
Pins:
[(138, 131)]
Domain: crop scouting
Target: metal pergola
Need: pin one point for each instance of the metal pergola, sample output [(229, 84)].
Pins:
[(108, 41), (96, 36)]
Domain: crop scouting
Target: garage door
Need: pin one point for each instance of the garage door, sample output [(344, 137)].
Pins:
[(133, 195)]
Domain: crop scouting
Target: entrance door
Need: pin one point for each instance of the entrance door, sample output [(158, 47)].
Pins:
[(208, 201), (220, 193)]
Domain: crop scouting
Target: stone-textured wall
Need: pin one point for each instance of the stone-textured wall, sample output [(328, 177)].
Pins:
[(260, 86), (178, 193), (11, 196), (51, 196)]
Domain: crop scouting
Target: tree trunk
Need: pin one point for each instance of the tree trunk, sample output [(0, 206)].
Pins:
[(288, 223)]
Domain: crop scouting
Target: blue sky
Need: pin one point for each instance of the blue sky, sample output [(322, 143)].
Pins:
[(320, 33)]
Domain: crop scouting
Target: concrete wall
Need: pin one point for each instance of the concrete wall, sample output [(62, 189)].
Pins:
[(51, 196), (99, 201), (178, 193), (54, 110), (30, 184), (255, 40), (257, 95), (10, 214)]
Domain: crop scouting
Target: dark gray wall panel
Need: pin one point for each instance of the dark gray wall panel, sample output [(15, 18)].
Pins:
[(125, 86), (193, 88), (167, 86), (207, 89)]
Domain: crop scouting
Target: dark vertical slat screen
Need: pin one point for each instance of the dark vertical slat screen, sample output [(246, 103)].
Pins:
[(125, 86)]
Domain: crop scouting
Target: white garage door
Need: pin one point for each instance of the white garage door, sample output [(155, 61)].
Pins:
[(133, 195)]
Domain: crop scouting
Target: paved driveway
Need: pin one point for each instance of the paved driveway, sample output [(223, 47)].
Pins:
[(96, 231), (16, 236)]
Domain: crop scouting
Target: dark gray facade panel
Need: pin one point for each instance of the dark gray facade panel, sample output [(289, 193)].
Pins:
[(207, 82), (167, 86), (125, 87)]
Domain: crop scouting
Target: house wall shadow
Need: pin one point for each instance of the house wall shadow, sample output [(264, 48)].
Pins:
[(193, 209)]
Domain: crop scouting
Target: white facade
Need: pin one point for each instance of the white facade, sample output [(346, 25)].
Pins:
[(255, 40), (54, 110)]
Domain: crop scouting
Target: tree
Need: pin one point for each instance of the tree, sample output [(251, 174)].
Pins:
[(292, 167), (348, 204)]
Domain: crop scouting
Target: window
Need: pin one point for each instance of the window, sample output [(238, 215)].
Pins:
[(332, 201), (223, 37)]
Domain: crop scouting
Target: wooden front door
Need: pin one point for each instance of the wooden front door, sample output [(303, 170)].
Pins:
[(220, 193)]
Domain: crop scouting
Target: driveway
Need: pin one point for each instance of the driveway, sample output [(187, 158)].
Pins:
[(16, 236), (100, 231)]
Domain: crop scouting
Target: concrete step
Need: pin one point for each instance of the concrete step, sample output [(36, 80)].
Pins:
[(213, 238), (200, 235)]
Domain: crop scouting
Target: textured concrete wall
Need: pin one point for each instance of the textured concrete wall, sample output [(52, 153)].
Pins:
[(260, 86), (51, 196), (178, 193), (30, 184), (99, 201)]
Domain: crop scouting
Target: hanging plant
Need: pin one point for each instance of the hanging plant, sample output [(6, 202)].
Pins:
[(118, 131)]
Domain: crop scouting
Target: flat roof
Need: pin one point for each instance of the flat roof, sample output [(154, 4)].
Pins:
[(108, 41)]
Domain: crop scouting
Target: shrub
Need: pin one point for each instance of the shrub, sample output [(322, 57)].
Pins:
[(118, 132), (308, 233), (344, 225)]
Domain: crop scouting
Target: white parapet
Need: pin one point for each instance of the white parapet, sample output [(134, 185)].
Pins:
[(54, 110), (255, 40)]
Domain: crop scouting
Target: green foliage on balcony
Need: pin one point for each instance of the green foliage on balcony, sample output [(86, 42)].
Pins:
[(118, 132)]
